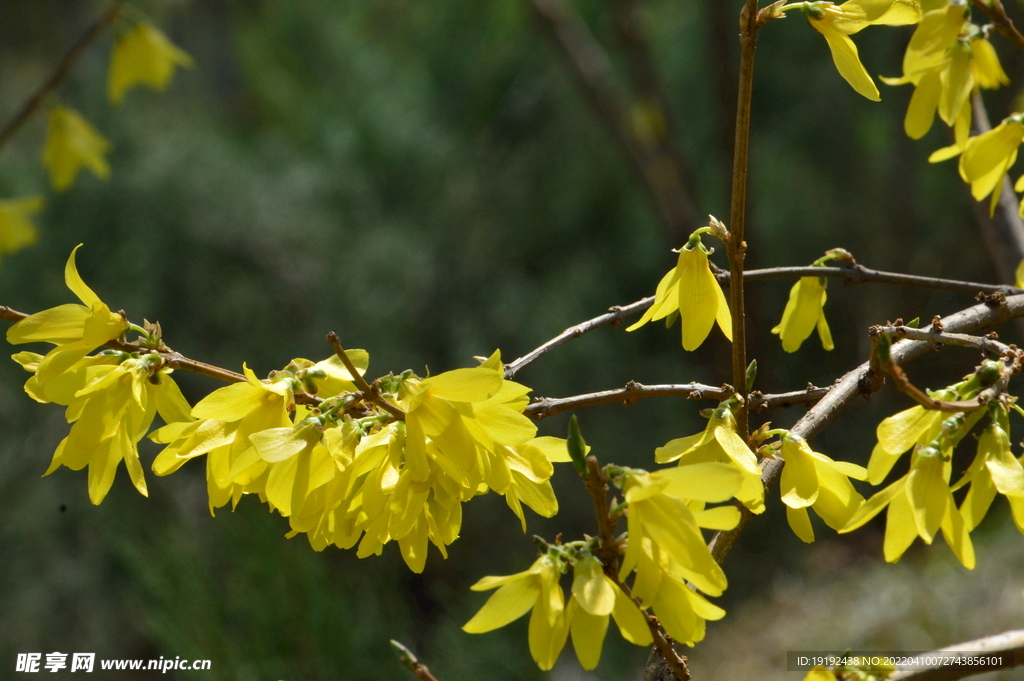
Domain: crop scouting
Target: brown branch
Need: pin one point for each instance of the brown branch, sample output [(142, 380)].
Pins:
[(543, 407), (1008, 647), (614, 316), (760, 402), (857, 274), (409, 661), (987, 344), (592, 68), (370, 392), (736, 246), (863, 381), (995, 11), (32, 104)]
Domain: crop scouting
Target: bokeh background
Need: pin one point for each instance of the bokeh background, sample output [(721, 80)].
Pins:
[(427, 179)]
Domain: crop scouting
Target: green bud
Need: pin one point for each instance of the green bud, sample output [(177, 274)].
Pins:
[(577, 447), (403, 654), (751, 374)]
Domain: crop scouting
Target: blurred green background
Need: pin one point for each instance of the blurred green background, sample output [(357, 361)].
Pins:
[(427, 179)]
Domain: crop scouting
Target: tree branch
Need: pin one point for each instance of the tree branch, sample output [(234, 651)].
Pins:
[(863, 381), (1007, 646), (543, 407), (32, 104), (592, 69), (995, 11), (736, 247), (987, 344), (857, 274)]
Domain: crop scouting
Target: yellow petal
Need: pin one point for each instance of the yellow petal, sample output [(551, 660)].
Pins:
[(900, 526), (958, 537), (923, 105), (507, 604), (16, 227), (987, 69), (711, 482), (799, 484), (554, 448), (698, 297), (666, 300), (588, 632), (718, 518), (464, 385), (594, 592), (143, 56), (847, 61), (800, 523), (958, 82), (928, 495), (71, 143), (632, 624)]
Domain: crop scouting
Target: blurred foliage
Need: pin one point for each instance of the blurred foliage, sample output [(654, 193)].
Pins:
[(425, 179)]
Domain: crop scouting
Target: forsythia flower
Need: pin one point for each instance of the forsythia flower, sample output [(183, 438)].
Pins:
[(920, 504), (111, 403), (690, 288), (370, 480), (995, 469), (666, 547), (915, 426), (71, 142), (720, 443), (810, 479), (76, 330), (143, 56), (804, 311), (988, 157), (16, 228), (536, 589), (837, 23)]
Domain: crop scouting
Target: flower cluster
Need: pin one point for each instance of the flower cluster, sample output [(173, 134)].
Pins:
[(664, 551), (921, 503)]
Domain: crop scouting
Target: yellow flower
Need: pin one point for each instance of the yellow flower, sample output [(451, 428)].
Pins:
[(110, 412), (76, 330), (720, 443), (920, 504), (915, 426), (994, 470), (666, 547), (810, 479), (837, 23), (143, 56), (988, 157), (690, 288), (71, 142), (536, 589), (804, 311), (16, 228)]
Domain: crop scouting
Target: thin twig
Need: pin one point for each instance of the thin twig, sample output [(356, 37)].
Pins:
[(370, 392), (995, 11), (1007, 648), (614, 316), (984, 343), (863, 381), (543, 407), (857, 274), (32, 104), (759, 402)]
